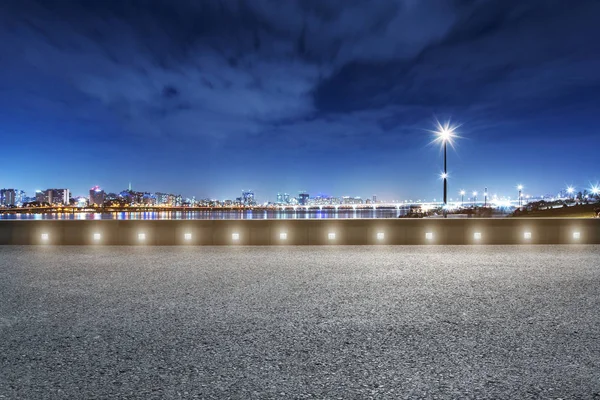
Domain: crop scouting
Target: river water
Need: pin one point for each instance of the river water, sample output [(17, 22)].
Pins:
[(210, 215)]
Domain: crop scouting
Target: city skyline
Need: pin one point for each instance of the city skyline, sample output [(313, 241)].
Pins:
[(323, 97)]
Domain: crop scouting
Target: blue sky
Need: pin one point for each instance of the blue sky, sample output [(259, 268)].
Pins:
[(206, 98)]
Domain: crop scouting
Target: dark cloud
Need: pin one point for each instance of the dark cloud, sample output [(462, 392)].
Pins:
[(319, 70)]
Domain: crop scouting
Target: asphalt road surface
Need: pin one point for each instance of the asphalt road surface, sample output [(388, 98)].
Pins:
[(381, 322)]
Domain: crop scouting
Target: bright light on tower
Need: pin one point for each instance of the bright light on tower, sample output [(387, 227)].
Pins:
[(595, 189), (474, 193), (445, 133), (520, 187), (443, 175)]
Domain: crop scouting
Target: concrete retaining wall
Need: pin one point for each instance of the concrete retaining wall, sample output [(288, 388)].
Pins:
[(302, 232)]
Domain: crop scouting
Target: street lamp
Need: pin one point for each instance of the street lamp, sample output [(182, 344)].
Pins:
[(520, 187), (474, 199), (445, 134), (462, 198), (570, 191)]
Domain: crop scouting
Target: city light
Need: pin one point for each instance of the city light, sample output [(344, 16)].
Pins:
[(570, 190), (595, 189)]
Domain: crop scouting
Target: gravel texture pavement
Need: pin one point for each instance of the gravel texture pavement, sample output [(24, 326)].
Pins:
[(380, 322)]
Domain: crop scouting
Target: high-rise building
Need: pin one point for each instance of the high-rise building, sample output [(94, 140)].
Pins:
[(374, 198), (248, 198), (53, 196), (303, 198), (97, 196), (40, 196), (286, 198), (59, 196), (279, 198), (20, 197), (8, 197)]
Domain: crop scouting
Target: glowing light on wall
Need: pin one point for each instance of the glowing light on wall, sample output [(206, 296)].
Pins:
[(477, 236), (380, 235), (331, 236), (283, 236), (187, 236), (429, 235), (235, 236), (45, 236), (527, 235), (576, 235), (141, 236), (97, 236)]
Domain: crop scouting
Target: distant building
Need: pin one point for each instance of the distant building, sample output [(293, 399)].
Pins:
[(248, 198), (97, 196), (20, 198), (53, 196), (41, 197), (303, 198), (286, 198), (374, 198), (8, 197), (351, 200), (279, 198)]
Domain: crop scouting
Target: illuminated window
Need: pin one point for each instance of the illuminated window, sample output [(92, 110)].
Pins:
[(380, 236), (477, 235), (429, 235), (141, 236), (576, 235), (45, 236), (187, 236), (331, 236), (527, 235), (283, 236), (235, 236), (97, 236)]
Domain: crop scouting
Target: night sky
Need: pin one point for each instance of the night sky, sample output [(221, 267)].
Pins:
[(336, 97)]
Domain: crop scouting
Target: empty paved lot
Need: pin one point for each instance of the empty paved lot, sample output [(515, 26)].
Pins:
[(300, 322)]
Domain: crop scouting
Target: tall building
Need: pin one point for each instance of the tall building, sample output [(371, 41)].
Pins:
[(20, 197), (248, 198), (286, 198), (53, 196), (41, 197), (97, 196), (303, 198), (279, 198), (8, 197), (374, 198), (59, 196)]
